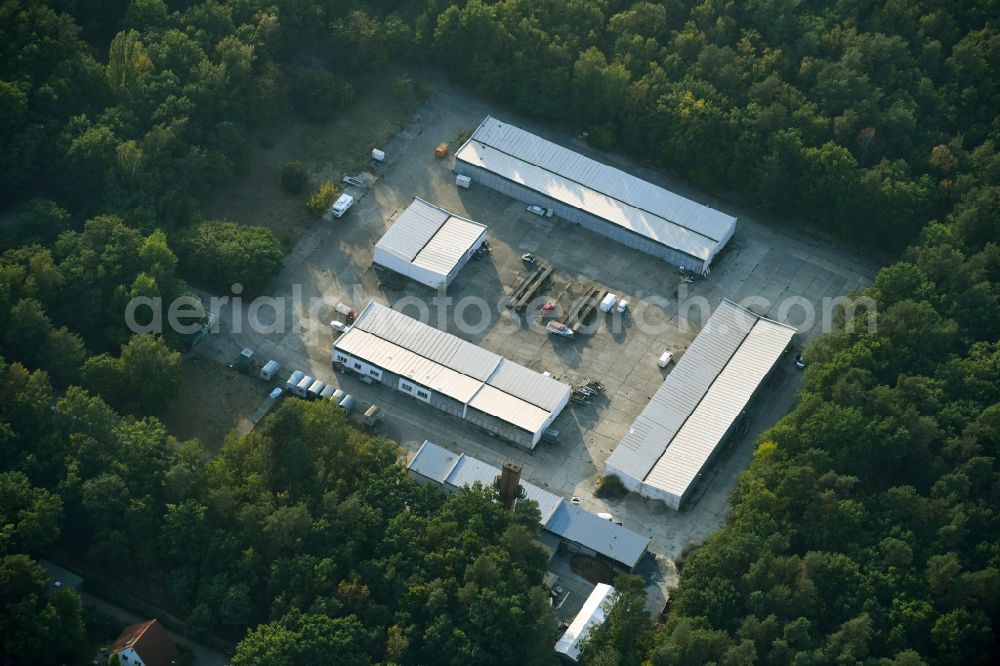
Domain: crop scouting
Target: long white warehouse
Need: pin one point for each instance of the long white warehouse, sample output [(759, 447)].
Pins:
[(591, 615), (699, 403), (579, 531), (606, 200), (428, 244), (455, 376)]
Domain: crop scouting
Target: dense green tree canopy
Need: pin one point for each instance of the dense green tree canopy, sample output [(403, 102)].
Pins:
[(220, 254)]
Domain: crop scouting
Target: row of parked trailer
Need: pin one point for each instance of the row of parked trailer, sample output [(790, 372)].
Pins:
[(305, 386)]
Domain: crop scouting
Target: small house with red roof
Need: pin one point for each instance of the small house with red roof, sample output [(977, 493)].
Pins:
[(145, 644)]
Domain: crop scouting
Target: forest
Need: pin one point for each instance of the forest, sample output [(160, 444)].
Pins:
[(866, 529)]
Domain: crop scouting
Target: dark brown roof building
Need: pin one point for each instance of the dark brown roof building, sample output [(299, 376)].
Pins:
[(145, 644)]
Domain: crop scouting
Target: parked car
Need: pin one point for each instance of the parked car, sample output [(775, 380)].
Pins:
[(338, 327), (622, 306), (559, 328), (373, 415), (537, 210)]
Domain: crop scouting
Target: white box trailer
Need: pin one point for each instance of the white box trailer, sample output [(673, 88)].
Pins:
[(267, 372), (378, 155), (463, 181), (294, 380), (608, 302), (303, 386), (315, 389)]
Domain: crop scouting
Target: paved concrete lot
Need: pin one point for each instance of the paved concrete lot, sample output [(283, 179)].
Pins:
[(332, 260)]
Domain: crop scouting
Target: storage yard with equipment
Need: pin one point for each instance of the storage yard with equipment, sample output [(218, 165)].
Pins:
[(538, 270)]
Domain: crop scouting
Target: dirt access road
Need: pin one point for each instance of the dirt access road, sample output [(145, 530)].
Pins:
[(328, 151), (203, 655)]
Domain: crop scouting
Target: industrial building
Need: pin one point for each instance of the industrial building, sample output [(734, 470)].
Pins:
[(428, 244), (452, 375), (699, 403), (577, 530), (591, 615), (598, 197)]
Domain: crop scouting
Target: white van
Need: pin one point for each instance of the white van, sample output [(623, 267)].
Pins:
[(338, 327), (341, 205), (664, 359)]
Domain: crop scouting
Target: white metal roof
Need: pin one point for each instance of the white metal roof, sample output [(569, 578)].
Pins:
[(530, 386), (376, 351), (430, 237), (523, 414), (445, 363), (583, 183), (427, 341), (603, 536), (696, 440), (591, 615), (682, 390), (701, 398), (434, 462), (557, 515)]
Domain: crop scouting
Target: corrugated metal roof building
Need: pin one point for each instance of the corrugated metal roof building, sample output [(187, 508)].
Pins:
[(700, 401), (451, 374), (428, 244), (591, 615), (599, 197), (579, 529)]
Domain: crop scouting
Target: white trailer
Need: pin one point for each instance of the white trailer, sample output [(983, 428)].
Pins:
[(303, 386), (267, 372), (294, 380), (315, 389)]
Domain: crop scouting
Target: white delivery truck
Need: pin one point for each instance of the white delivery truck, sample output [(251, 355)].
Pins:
[(341, 205)]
